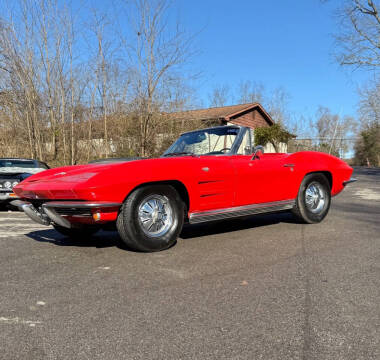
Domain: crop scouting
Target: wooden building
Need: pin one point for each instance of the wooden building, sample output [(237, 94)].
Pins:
[(251, 115)]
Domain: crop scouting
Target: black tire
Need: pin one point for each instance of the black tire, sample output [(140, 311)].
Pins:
[(301, 210), (129, 224), (82, 232)]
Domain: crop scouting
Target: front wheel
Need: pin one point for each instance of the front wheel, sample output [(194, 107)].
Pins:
[(151, 218), (313, 200)]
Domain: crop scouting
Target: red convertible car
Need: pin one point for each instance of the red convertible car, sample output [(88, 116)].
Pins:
[(206, 175)]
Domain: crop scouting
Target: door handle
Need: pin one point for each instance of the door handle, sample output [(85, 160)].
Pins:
[(289, 165)]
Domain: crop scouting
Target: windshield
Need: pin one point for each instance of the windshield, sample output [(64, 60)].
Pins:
[(214, 141), (17, 163)]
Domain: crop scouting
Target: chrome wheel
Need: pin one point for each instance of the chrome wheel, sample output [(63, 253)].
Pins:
[(155, 215), (315, 197)]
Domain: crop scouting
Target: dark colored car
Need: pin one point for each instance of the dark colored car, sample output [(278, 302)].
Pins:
[(13, 171)]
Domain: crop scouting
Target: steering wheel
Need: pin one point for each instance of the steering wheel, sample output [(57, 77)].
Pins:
[(218, 152), (224, 150)]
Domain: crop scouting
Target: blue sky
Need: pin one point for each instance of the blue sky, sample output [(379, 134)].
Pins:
[(277, 43)]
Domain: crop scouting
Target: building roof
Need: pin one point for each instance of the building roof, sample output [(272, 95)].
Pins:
[(225, 112)]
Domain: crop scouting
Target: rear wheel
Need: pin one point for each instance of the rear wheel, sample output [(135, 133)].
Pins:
[(313, 200), (81, 232), (151, 218)]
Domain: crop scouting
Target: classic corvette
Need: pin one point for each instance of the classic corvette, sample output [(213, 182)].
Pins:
[(206, 175), (13, 171)]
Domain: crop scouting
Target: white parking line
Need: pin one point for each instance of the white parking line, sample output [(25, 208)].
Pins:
[(3, 219), (12, 214), (17, 320)]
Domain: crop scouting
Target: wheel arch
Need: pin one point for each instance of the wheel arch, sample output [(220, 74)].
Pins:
[(178, 185), (326, 173)]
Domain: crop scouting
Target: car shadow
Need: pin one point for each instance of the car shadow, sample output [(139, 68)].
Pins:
[(231, 225), (106, 239), (100, 240)]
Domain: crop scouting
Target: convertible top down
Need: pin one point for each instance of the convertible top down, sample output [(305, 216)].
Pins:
[(206, 175)]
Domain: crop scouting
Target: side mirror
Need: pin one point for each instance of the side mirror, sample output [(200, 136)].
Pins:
[(257, 152), (247, 150)]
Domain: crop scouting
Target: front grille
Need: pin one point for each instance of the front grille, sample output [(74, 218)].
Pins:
[(36, 202), (73, 211)]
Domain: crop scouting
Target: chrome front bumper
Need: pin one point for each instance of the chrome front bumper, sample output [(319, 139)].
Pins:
[(32, 212), (7, 195), (349, 181), (47, 213)]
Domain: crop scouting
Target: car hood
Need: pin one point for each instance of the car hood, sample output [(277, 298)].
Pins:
[(75, 173), (98, 180)]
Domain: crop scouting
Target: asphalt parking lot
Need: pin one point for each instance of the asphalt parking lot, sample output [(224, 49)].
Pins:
[(258, 288)]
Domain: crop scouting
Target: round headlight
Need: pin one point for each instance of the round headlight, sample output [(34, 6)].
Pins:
[(14, 184), (8, 185)]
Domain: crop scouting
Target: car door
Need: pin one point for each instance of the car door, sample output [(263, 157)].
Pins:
[(215, 182), (265, 179)]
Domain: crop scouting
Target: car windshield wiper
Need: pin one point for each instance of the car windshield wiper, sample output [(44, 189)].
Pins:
[(180, 153)]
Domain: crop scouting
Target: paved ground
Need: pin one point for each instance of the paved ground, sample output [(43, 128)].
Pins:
[(259, 288)]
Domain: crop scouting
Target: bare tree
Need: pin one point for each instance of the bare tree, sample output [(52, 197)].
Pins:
[(19, 80), (221, 96), (251, 92), (276, 101), (333, 130), (358, 46), (157, 52), (278, 104), (34, 48), (65, 104), (102, 73), (369, 106), (357, 43)]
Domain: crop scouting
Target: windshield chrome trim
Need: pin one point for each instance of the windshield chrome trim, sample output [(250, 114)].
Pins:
[(238, 141), (212, 128)]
